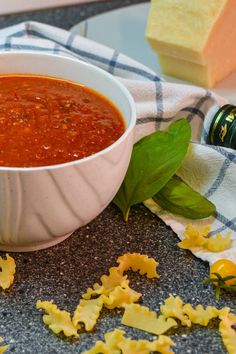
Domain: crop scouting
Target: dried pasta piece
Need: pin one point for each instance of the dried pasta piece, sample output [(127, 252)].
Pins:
[(223, 312), (117, 343), (198, 236), (109, 282), (195, 236), (3, 348), (111, 345), (138, 262), (141, 317), (129, 346), (227, 330), (199, 315), (173, 307), (135, 261), (87, 312), (95, 291), (219, 243), (57, 320), (98, 348), (113, 339), (8, 268), (119, 297), (162, 345), (115, 278)]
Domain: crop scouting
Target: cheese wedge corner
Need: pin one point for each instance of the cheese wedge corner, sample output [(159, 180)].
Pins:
[(195, 39)]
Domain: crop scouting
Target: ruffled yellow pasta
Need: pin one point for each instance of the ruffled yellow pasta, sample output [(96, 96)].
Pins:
[(116, 343), (199, 315), (227, 330), (113, 339), (219, 243), (162, 345), (95, 291), (57, 320), (112, 292), (195, 236), (108, 283), (173, 307), (198, 236), (115, 278), (98, 348), (111, 345), (3, 348), (138, 263), (129, 346), (119, 297), (87, 312), (141, 317), (8, 268)]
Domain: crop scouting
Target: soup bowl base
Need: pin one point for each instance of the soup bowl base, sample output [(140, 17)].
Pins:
[(34, 246)]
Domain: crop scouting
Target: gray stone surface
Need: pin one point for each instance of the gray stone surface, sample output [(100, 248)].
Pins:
[(64, 272)]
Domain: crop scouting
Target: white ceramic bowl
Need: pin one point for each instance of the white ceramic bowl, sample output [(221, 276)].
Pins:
[(41, 206)]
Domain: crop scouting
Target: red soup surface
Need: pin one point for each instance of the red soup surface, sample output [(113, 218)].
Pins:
[(46, 121)]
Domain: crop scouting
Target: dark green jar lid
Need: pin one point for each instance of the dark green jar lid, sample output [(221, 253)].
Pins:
[(223, 127)]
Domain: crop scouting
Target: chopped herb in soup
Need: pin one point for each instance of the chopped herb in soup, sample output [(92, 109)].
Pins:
[(46, 121)]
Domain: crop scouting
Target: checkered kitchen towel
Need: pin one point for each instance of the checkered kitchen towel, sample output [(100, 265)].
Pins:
[(209, 169)]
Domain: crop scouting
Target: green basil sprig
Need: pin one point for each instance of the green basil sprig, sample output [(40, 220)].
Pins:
[(178, 198), (221, 283), (154, 160)]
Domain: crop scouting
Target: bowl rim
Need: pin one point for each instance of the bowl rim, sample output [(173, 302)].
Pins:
[(121, 86)]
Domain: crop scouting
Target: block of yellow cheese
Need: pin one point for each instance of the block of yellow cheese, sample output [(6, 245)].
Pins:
[(195, 39)]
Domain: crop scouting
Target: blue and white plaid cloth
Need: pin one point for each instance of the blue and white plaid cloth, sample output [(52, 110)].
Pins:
[(209, 169)]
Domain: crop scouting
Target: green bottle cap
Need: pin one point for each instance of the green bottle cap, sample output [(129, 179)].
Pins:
[(223, 127)]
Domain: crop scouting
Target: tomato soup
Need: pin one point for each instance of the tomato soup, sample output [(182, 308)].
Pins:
[(46, 121)]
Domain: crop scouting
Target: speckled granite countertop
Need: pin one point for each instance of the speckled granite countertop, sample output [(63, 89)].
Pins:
[(64, 272)]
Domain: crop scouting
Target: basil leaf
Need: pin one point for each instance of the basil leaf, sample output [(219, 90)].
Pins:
[(154, 160), (178, 198)]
